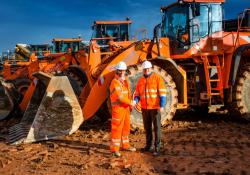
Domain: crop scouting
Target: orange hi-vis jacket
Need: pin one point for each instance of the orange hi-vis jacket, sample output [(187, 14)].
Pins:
[(151, 91), (120, 94)]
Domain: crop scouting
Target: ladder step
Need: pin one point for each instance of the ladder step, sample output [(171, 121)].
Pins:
[(212, 67), (215, 89), (215, 94), (214, 80)]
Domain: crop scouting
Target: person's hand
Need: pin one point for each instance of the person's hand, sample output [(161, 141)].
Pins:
[(133, 103)]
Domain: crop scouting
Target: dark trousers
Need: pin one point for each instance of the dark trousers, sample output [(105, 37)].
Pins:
[(152, 116)]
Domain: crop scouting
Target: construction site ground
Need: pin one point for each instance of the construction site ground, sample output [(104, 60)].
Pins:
[(191, 144)]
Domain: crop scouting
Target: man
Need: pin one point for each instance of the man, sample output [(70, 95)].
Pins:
[(151, 92), (121, 103)]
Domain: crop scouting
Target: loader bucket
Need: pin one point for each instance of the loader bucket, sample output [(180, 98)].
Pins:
[(52, 112)]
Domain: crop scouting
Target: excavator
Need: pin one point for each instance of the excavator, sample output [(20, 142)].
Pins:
[(201, 63)]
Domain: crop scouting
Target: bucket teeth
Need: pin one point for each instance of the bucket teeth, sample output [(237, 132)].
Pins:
[(18, 133)]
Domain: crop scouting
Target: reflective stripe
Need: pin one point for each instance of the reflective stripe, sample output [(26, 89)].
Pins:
[(116, 144), (163, 90), (163, 95), (151, 90), (121, 97), (150, 96), (153, 96), (124, 137), (125, 141), (118, 88), (116, 119), (116, 140)]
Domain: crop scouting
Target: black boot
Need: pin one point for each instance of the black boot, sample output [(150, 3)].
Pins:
[(147, 149)]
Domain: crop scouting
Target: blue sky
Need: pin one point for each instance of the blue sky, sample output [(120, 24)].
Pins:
[(38, 21)]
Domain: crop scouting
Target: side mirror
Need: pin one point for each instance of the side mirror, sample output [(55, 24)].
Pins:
[(195, 9)]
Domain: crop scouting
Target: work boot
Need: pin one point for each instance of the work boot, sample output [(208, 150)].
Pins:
[(116, 154), (132, 149), (156, 152), (147, 149)]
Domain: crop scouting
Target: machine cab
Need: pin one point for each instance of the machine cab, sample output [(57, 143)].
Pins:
[(187, 22), (66, 44), (40, 49), (118, 31)]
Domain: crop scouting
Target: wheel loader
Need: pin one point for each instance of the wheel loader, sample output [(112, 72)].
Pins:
[(201, 64), (17, 72), (67, 57), (72, 64), (67, 54), (25, 55)]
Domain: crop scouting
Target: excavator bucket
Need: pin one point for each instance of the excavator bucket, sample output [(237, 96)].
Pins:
[(53, 112)]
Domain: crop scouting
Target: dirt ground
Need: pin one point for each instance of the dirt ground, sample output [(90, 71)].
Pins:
[(192, 144)]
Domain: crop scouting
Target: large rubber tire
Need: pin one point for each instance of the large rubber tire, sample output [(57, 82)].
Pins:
[(241, 93), (76, 80), (135, 72), (22, 84), (20, 87), (105, 111)]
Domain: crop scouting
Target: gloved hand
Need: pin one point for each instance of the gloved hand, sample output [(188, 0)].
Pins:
[(132, 104)]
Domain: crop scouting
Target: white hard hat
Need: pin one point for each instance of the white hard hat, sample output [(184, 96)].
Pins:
[(121, 66), (146, 65)]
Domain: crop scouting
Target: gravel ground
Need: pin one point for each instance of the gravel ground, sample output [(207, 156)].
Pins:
[(192, 144)]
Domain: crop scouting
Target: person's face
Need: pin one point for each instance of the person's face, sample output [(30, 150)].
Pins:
[(121, 73), (147, 71)]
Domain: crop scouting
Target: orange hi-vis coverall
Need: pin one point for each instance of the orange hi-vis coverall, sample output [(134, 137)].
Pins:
[(120, 97)]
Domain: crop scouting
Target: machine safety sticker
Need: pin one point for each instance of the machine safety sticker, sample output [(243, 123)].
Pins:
[(101, 80), (246, 38)]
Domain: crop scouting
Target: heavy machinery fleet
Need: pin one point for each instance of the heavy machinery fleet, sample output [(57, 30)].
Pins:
[(32, 58), (201, 62), (25, 55)]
